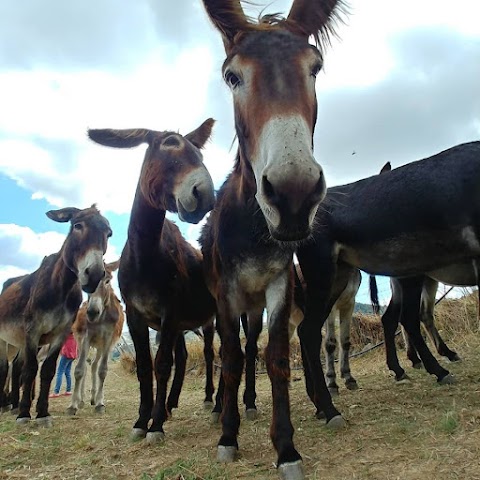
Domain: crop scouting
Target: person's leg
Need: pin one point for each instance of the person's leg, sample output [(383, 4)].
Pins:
[(68, 370), (60, 371)]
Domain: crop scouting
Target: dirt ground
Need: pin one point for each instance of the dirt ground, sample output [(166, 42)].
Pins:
[(395, 431)]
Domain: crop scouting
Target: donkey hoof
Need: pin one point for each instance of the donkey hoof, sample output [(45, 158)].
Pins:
[(448, 379), (455, 357), (291, 471), (100, 409), (333, 391), (45, 422), (92, 402), (417, 365), (138, 434), (155, 438), (404, 378), (226, 454), (23, 421), (207, 405), (320, 415), (336, 423), (71, 411), (215, 417), (251, 414), (81, 404), (351, 385)]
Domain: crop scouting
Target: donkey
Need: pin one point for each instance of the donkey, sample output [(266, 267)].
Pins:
[(268, 203), (98, 324), (412, 220), (161, 275), (40, 308), (459, 274)]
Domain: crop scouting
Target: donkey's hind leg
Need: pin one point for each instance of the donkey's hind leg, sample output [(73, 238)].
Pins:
[(345, 316), (102, 374), (427, 317), (209, 355), (181, 355), (330, 346), (80, 370)]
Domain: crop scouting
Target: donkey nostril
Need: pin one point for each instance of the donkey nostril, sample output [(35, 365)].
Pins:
[(195, 193), (268, 189), (87, 271)]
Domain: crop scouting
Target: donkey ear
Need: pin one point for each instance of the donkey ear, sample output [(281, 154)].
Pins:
[(317, 17), (111, 267), (63, 215), (127, 138), (228, 18), (200, 136), (386, 168)]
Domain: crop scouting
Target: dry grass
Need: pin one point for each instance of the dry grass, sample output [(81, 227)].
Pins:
[(395, 431)]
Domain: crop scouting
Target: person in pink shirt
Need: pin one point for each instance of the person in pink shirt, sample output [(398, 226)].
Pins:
[(68, 354)]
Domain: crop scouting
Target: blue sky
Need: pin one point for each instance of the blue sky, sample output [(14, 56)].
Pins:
[(401, 84)]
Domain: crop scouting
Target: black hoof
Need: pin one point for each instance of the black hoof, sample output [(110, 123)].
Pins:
[(403, 378), (320, 415), (351, 385), (418, 365), (455, 357)]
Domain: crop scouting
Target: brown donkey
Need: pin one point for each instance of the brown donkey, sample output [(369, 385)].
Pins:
[(161, 275), (41, 307), (269, 201), (98, 324)]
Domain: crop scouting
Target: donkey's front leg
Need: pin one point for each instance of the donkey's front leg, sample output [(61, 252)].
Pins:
[(30, 369), (228, 325), (47, 372), (163, 370), (330, 347), (80, 370), (278, 300), (102, 374)]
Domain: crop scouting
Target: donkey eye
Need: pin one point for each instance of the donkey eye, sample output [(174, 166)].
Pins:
[(231, 79), (78, 226), (315, 70)]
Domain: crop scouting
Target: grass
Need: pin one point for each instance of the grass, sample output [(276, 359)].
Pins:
[(409, 431)]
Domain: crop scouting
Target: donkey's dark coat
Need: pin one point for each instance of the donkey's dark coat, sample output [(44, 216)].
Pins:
[(412, 220), (161, 275), (40, 308)]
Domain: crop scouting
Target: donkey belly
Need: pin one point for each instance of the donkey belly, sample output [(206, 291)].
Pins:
[(460, 274), (12, 331), (412, 254)]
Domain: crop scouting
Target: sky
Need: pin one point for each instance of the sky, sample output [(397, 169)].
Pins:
[(402, 82)]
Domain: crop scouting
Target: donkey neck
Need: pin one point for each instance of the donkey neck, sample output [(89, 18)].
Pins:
[(146, 222)]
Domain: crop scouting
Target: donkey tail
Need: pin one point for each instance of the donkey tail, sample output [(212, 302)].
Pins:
[(374, 294)]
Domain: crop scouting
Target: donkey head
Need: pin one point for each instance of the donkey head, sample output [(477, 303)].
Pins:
[(271, 69), (86, 243), (173, 175), (99, 299)]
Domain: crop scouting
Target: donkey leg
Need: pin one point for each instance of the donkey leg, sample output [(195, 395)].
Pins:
[(318, 303), (427, 317), (3, 379), (228, 326), (390, 320), (411, 352), (330, 347), (47, 372), (102, 374), (410, 318), (30, 369), (163, 370), (181, 355), (17, 366), (278, 298), (345, 327), (79, 374), (209, 355), (140, 337), (94, 373), (251, 353)]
